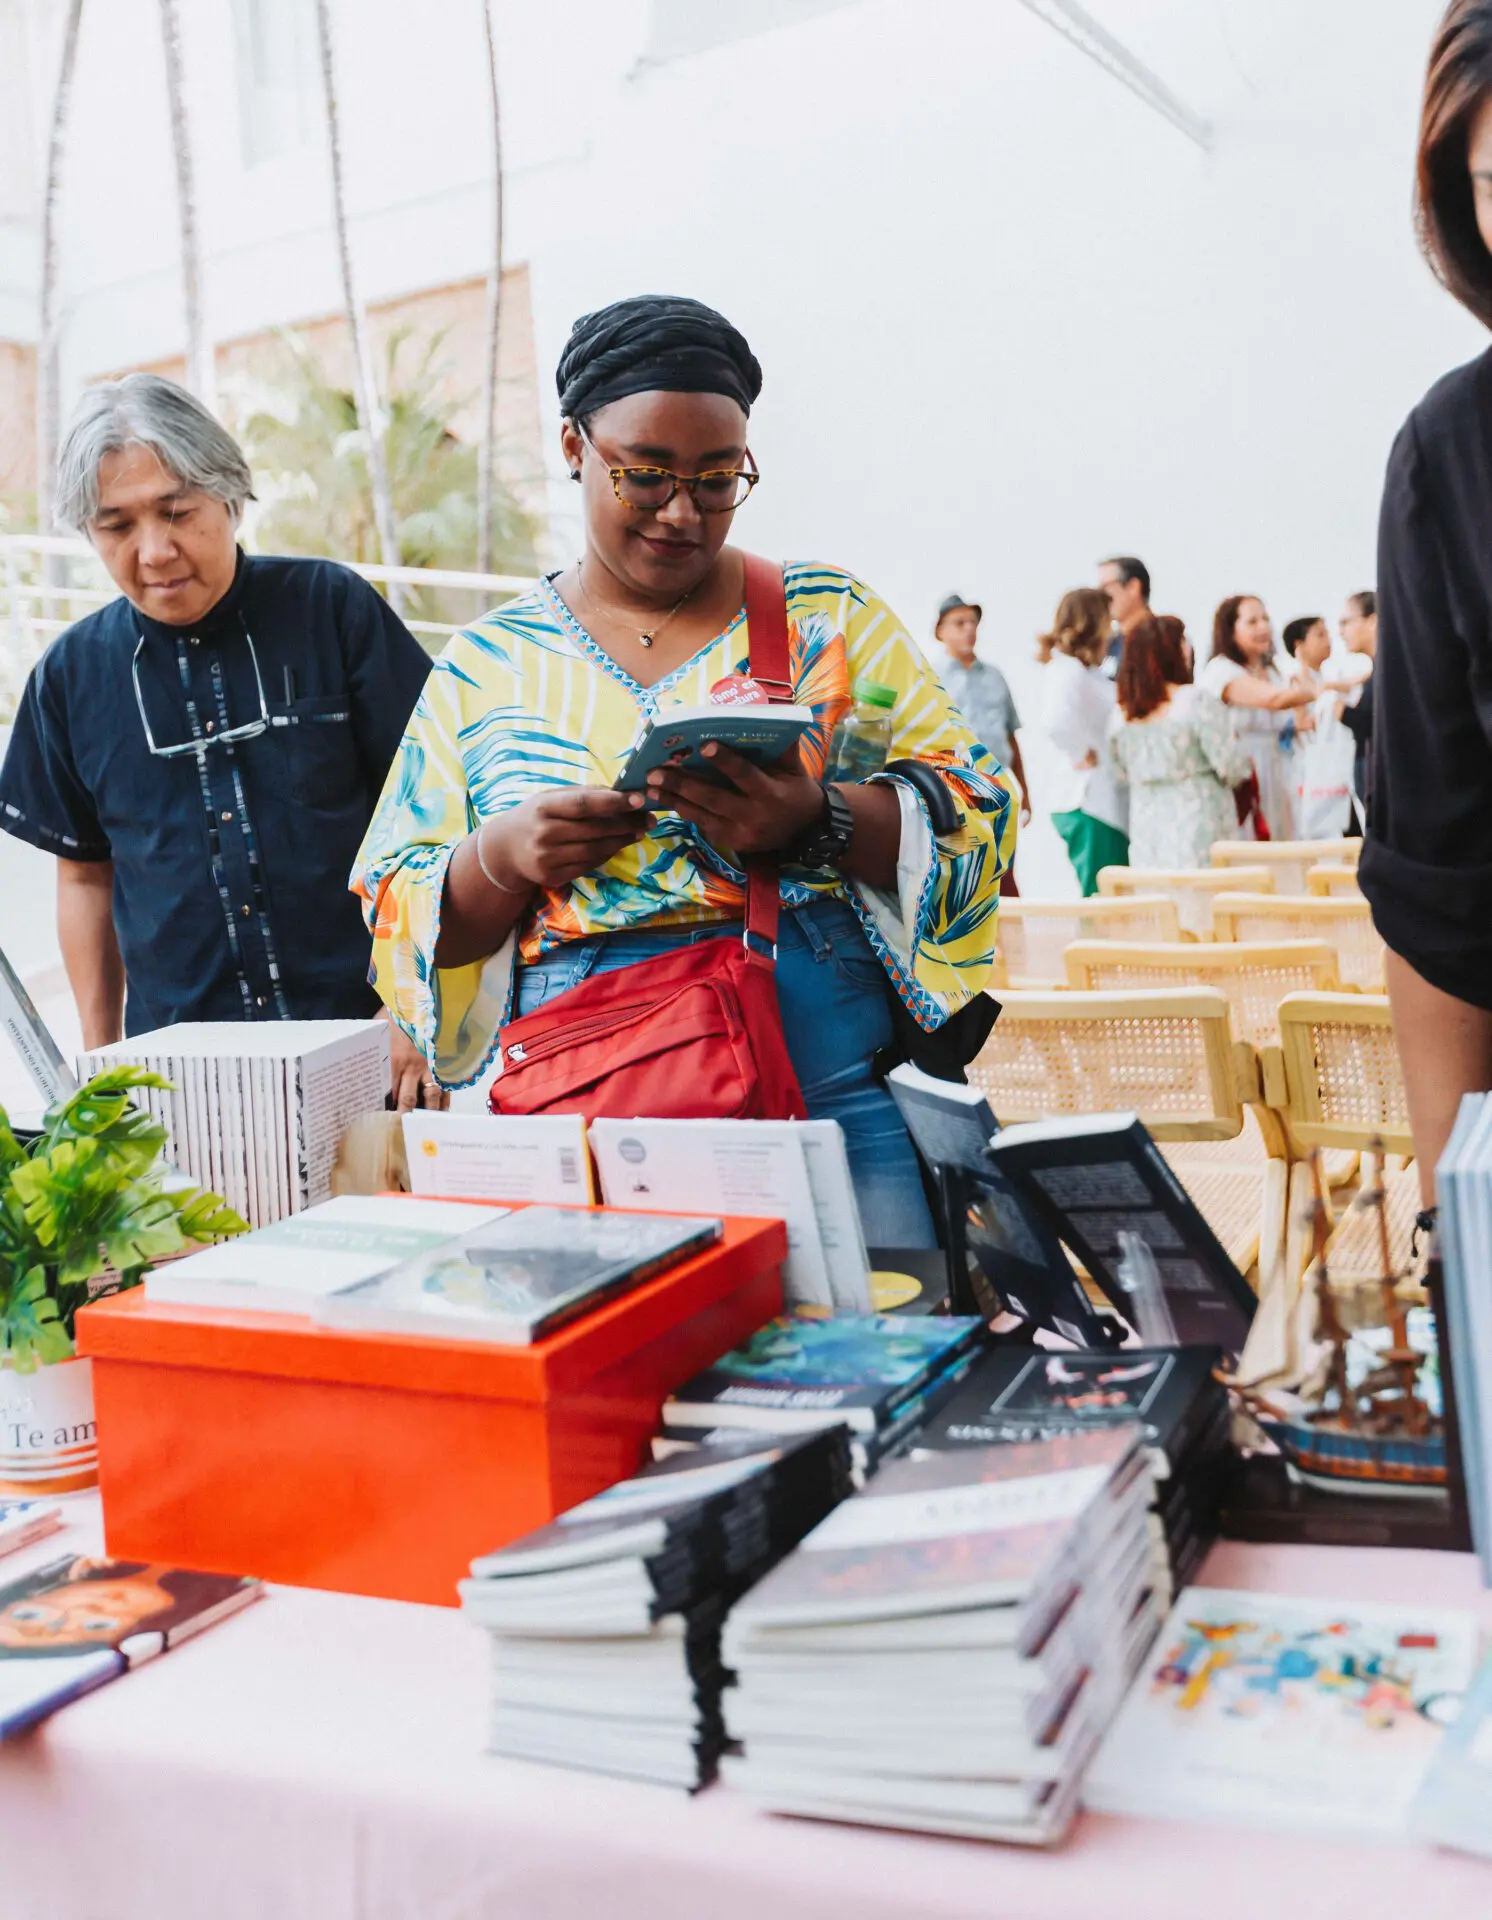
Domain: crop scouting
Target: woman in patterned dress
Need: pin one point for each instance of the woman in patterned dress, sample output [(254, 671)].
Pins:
[(499, 828), (1174, 747)]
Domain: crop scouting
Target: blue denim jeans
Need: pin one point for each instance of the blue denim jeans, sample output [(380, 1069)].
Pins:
[(836, 1014)]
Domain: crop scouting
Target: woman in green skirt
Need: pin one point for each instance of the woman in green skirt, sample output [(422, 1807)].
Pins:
[(1089, 808)]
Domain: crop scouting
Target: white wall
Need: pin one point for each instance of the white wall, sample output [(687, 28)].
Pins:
[(1011, 320)]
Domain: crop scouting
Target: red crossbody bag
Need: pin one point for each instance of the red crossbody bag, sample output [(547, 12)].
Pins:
[(695, 1034)]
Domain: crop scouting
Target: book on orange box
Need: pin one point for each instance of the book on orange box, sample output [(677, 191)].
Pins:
[(286, 1267), (513, 1279)]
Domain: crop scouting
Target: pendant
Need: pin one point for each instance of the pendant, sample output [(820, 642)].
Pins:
[(646, 639)]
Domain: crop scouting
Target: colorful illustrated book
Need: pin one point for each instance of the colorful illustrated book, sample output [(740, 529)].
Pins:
[(1310, 1714), (805, 1369), (520, 1276), (76, 1624)]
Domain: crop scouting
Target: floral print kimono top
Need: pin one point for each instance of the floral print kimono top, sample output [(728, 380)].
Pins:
[(525, 700)]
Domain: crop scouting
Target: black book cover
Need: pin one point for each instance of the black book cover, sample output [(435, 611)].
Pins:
[(1097, 1177), (1025, 1393), (1017, 1251)]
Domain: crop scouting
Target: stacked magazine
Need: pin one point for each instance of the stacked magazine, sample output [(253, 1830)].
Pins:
[(1024, 1393), (944, 1651), (257, 1109), (605, 1625), (881, 1376)]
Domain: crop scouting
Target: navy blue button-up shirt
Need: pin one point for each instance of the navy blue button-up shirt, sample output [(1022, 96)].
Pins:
[(230, 864)]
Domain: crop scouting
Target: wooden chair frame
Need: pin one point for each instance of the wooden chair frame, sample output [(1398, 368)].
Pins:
[(1291, 1077), (1334, 881), (1096, 910), (1223, 1115), (1281, 857), (1193, 965), (1332, 916)]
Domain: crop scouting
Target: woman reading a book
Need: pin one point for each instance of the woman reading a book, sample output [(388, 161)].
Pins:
[(500, 819)]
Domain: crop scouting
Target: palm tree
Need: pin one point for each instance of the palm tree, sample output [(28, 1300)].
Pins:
[(48, 400), (369, 415), (487, 456), (199, 367)]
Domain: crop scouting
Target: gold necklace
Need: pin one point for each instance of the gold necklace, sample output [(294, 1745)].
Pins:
[(647, 638)]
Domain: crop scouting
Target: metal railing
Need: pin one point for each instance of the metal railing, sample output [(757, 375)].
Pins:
[(47, 582)]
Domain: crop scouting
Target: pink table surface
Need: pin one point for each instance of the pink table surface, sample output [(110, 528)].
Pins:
[(320, 1758)]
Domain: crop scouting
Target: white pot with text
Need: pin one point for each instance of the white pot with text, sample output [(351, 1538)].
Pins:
[(48, 1434)]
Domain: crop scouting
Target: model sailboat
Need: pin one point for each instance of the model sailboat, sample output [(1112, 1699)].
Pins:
[(1353, 1415)]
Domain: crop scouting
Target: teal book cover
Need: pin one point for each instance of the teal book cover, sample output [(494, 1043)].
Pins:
[(807, 1360)]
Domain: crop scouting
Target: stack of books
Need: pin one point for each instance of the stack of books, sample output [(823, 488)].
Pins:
[(605, 1625), (1463, 1185), (944, 1651), (1022, 1394), (878, 1375), (1313, 1715), (256, 1110)]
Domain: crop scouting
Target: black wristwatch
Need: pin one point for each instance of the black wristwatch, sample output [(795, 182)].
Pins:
[(824, 842)]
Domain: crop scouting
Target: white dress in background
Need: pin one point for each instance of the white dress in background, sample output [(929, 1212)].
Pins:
[(1077, 704), (1268, 738)]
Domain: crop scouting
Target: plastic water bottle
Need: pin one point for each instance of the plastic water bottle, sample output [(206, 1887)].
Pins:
[(862, 740)]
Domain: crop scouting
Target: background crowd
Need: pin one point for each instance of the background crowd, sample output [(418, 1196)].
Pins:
[(1163, 748)]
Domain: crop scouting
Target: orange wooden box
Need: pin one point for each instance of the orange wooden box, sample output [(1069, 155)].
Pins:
[(381, 1463)]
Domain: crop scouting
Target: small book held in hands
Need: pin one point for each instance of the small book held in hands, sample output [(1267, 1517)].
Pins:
[(521, 1276), (762, 732), (75, 1624)]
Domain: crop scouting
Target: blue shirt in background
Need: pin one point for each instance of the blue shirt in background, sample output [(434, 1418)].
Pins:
[(230, 866)]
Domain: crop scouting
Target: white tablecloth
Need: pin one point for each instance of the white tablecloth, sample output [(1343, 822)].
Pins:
[(320, 1758)]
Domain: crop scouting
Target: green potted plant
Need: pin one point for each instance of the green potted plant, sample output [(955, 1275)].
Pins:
[(85, 1209)]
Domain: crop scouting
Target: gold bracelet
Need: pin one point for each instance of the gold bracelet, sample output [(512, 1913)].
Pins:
[(488, 875)]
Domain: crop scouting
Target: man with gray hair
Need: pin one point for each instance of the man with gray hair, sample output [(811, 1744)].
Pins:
[(203, 755)]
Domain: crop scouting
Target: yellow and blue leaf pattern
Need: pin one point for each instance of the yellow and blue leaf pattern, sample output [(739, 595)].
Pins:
[(526, 700)]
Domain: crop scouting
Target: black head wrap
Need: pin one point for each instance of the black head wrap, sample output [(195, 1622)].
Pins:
[(654, 343)]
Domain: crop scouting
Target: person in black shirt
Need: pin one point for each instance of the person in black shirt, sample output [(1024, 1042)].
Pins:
[(203, 755), (1427, 858)]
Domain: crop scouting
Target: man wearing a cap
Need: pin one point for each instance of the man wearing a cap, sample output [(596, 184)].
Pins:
[(983, 696)]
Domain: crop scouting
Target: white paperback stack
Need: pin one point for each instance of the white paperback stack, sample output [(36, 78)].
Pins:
[(795, 1171), (943, 1652), (257, 1108)]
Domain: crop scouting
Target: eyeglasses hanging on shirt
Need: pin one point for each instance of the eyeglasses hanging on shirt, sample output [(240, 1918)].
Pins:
[(250, 729)]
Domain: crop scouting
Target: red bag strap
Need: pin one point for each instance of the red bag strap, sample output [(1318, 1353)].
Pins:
[(766, 629), (768, 663)]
